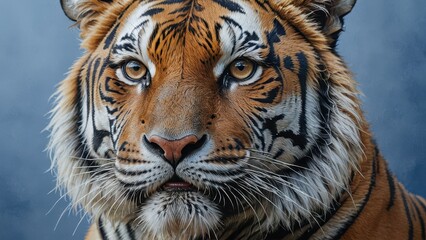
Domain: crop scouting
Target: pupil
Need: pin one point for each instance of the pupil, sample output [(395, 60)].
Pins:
[(135, 67), (240, 66)]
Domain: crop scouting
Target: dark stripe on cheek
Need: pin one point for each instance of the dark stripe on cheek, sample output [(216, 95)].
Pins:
[(106, 98), (288, 63), (130, 232), (81, 149), (102, 231), (303, 77), (79, 106), (111, 37), (111, 81), (230, 5), (269, 96), (98, 137), (118, 233), (87, 81)]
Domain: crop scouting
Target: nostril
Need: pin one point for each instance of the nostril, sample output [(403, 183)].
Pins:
[(153, 147), (174, 150), (190, 148)]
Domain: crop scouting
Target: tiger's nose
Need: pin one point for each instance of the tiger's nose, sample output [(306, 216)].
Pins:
[(174, 149)]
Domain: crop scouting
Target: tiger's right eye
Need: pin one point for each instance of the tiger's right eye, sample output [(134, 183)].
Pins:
[(134, 70)]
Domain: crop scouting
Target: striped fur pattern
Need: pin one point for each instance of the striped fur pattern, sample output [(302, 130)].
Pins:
[(284, 153)]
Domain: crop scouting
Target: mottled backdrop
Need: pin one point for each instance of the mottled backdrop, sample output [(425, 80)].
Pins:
[(384, 44)]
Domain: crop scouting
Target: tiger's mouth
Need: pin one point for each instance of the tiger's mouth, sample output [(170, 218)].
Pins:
[(177, 184), (173, 185)]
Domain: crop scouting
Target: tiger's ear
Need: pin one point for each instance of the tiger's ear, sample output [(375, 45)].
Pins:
[(330, 18), (85, 12), (327, 14)]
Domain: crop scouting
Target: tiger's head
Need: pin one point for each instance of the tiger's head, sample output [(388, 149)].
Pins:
[(198, 117)]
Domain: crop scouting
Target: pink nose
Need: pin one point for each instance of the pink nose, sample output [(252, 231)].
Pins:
[(173, 148)]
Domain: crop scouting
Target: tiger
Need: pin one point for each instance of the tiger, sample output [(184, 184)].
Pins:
[(221, 119)]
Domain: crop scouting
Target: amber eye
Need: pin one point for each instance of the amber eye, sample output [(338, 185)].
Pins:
[(134, 70), (242, 69)]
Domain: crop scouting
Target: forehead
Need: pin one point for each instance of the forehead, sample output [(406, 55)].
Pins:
[(184, 13), (192, 22)]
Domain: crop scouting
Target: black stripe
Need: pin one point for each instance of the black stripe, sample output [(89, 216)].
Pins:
[(130, 232), (352, 219), (260, 4), (419, 200), (98, 135), (288, 63), (422, 223), (151, 12), (274, 37), (269, 96), (303, 78), (118, 233), (102, 231), (322, 140), (391, 182), (168, 2), (408, 214), (232, 22), (111, 37), (88, 77), (81, 149), (223, 173), (230, 5), (79, 106), (133, 184), (132, 173), (104, 97)]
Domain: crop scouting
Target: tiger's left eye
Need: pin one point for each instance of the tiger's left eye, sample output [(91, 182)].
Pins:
[(242, 69), (134, 70)]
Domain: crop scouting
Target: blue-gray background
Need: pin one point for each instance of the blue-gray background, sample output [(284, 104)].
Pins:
[(384, 44)]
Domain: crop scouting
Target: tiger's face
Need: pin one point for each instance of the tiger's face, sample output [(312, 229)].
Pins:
[(199, 114)]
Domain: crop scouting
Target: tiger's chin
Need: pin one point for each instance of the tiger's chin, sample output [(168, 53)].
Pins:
[(179, 215)]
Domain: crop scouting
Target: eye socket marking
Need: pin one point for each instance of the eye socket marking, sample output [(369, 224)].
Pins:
[(242, 69), (134, 71)]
